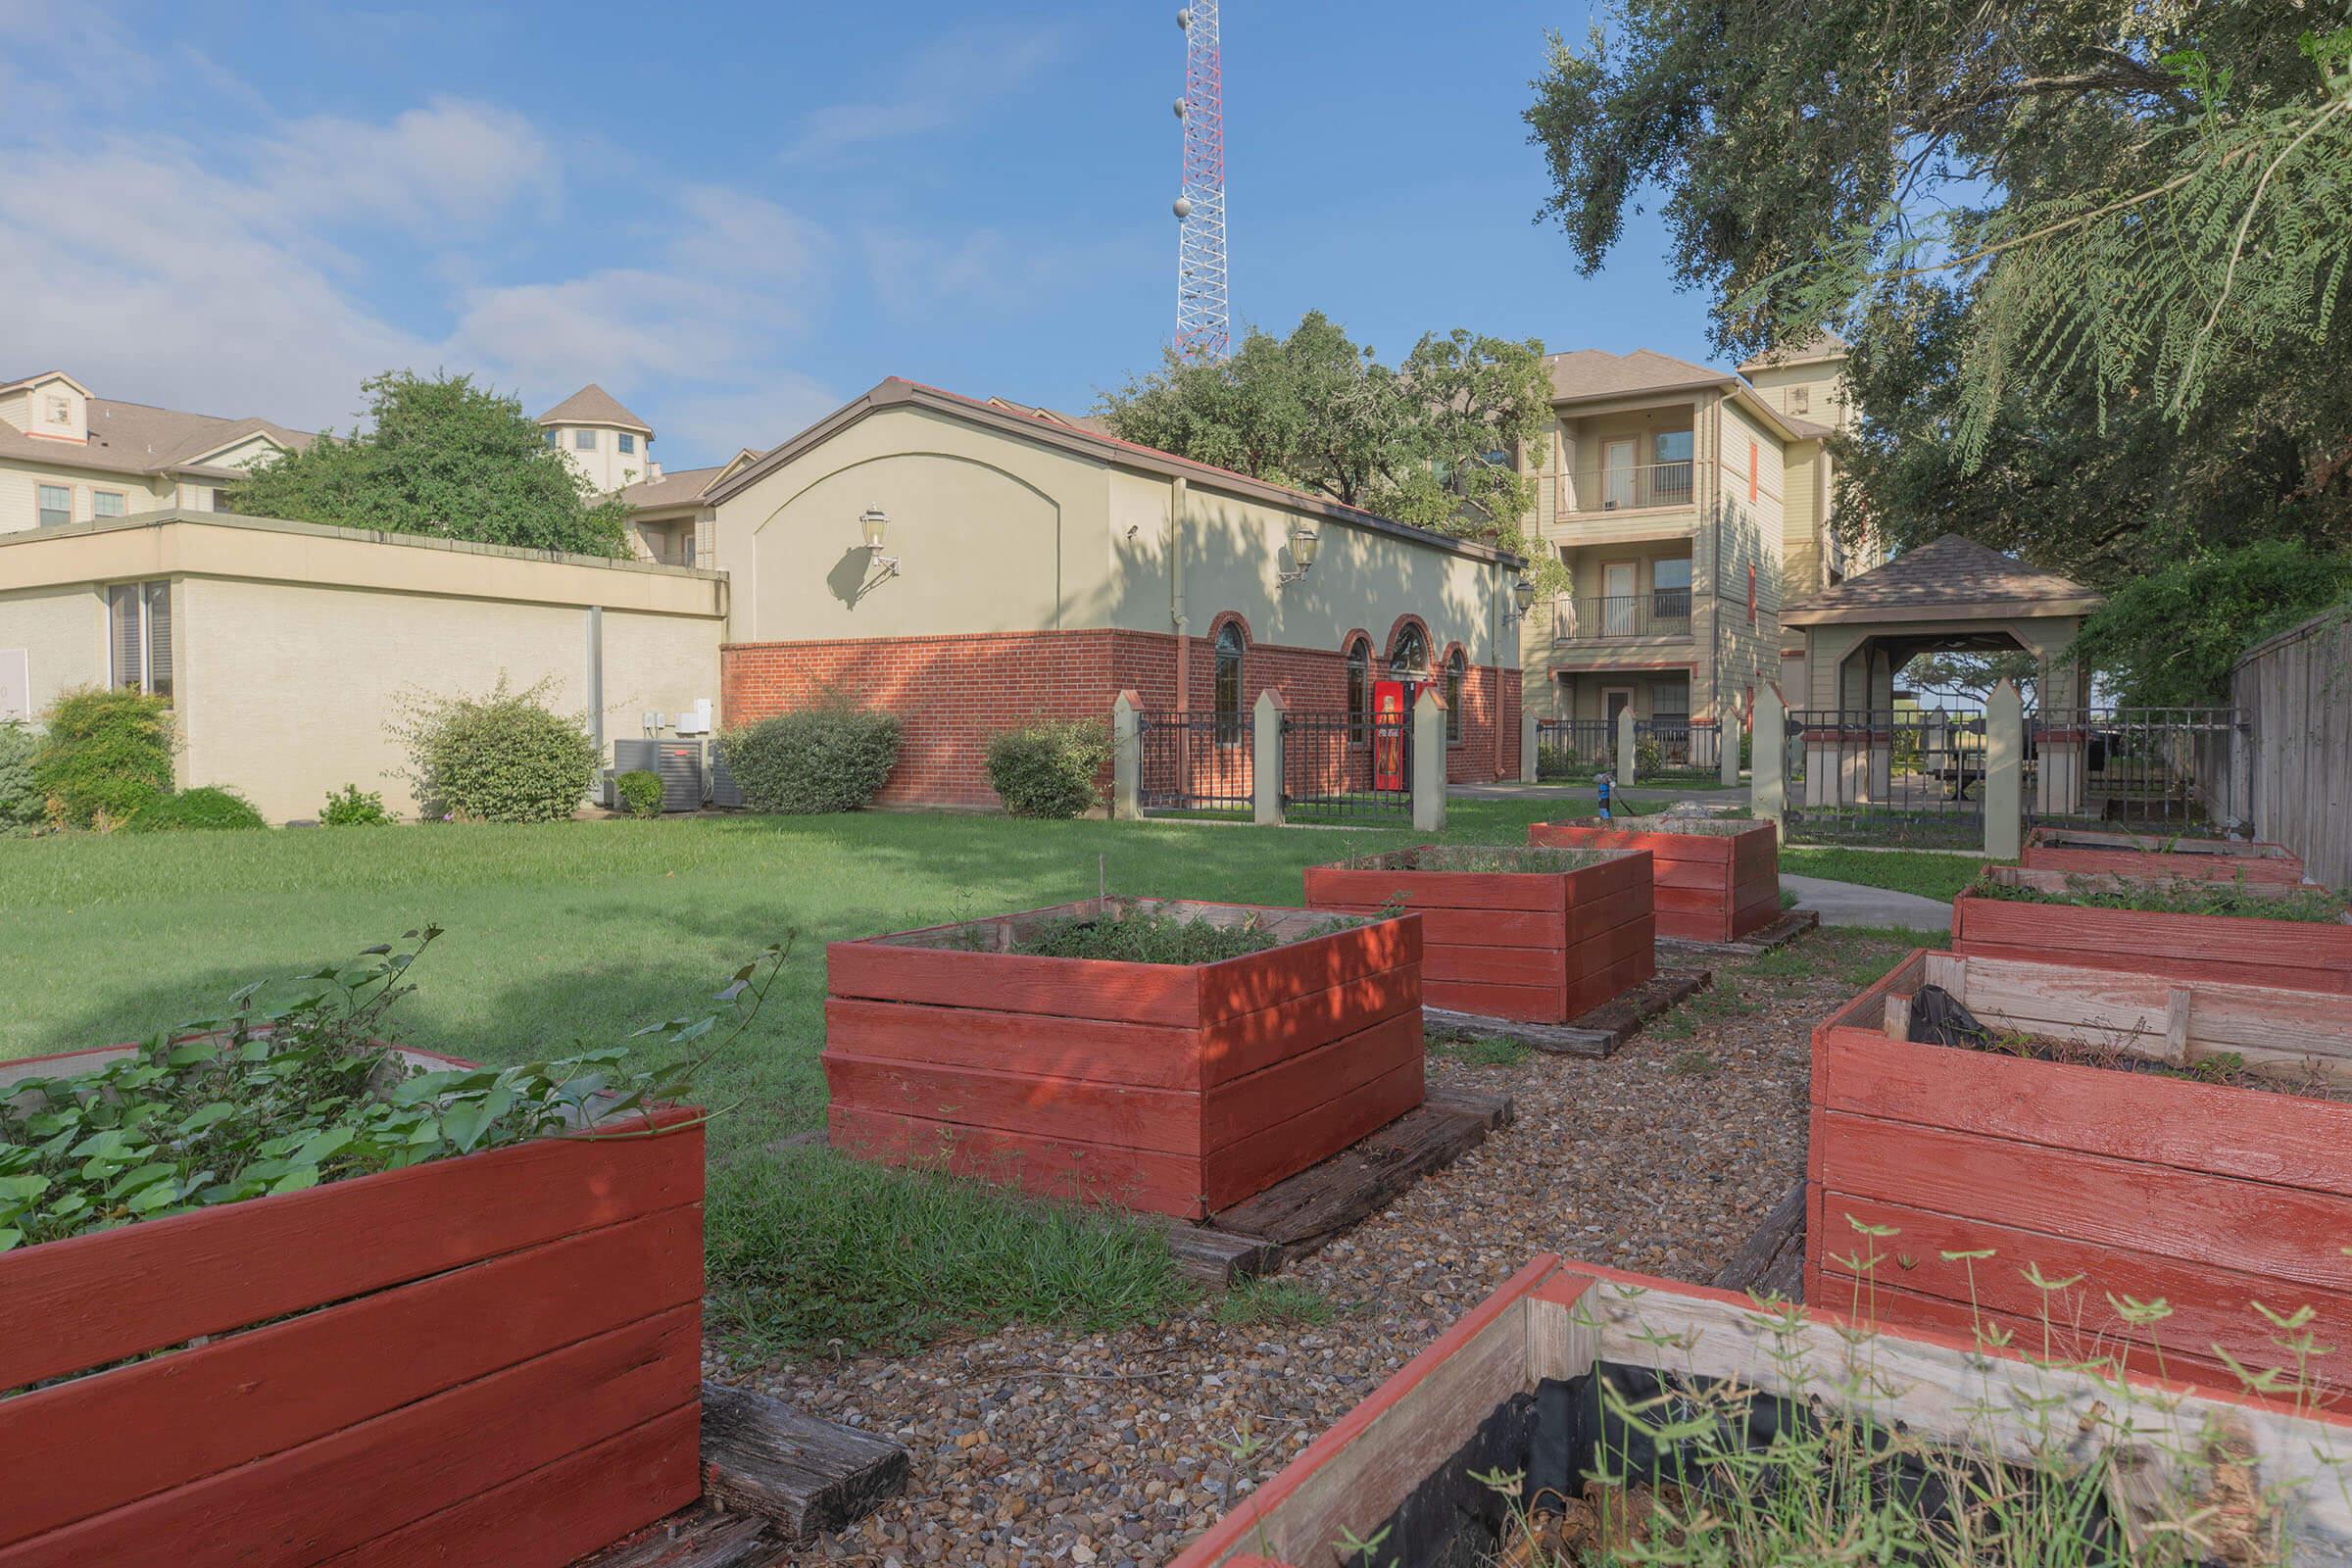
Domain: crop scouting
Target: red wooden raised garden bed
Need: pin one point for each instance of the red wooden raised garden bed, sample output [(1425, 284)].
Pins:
[(1534, 935), (1718, 879), (2092, 851), (489, 1358), (2148, 1160), (1177, 1087), (2308, 954)]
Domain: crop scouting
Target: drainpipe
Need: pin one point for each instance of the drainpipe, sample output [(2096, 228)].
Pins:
[(1715, 571), (1502, 590), (1176, 614), (595, 687)]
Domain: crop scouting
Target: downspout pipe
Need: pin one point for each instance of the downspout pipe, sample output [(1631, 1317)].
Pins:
[(1177, 619)]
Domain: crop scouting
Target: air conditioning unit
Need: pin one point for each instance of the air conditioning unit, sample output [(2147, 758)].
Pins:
[(677, 764)]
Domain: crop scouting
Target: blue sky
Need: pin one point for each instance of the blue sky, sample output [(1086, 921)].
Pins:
[(736, 217)]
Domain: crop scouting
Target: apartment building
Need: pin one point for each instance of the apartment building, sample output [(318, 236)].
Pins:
[(1688, 503), (68, 455)]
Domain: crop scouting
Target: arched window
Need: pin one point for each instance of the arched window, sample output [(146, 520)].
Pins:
[(1409, 658), (1456, 667), (1359, 689), (1231, 722)]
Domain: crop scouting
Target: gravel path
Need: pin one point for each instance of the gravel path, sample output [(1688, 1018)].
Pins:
[(1040, 1446)]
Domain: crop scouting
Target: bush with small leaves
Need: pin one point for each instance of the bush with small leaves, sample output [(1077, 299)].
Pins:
[(829, 757), (354, 806), (1049, 768), (195, 810), (23, 804), (107, 753), (639, 792), (499, 758)]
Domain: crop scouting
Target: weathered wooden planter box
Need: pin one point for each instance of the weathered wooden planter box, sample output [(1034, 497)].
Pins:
[(1718, 879), (2092, 851), (1179, 1089), (2144, 1183), (2243, 949), (1405, 1462), (1535, 935), (493, 1358)]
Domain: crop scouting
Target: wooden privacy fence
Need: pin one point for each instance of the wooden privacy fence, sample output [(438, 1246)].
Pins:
[(2297, 690)]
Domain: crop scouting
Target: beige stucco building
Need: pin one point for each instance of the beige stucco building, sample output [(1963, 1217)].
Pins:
[(287, 648), (1688, 503), (69, 457)]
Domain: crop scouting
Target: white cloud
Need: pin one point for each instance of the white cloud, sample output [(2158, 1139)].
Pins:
[(952, 78), (452, 158)]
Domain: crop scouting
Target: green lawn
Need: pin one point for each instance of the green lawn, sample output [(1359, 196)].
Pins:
[(579, 932), (1922, 871)]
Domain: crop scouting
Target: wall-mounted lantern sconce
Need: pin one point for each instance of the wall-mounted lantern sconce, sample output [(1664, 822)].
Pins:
[(1523, 599), (870, 526), (1304, 542)]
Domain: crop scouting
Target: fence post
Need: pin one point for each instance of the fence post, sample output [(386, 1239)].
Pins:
[(1726, 747), (1126, 758), (2004, 772), (1429, 762), (1266, 757), (1531, 737), (1767, 759), (1625, 747)]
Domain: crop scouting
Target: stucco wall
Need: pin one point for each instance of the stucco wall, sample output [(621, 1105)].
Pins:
[(63, 633)]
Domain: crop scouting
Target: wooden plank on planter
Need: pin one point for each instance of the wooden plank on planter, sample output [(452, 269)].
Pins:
[(1777, 1241), (1144, 1056), (2240, 950), (1257, 1161), (2162, 867), (285, 1384), (68, 1313), (1250, 1040), (762, 1456), (1320, 1202), (382, 1473), (1243, 1107), (700, 1536), (1067, 1169), (1015, 982), (1162, 1121)]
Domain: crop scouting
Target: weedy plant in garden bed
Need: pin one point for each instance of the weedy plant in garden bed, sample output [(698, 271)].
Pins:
[(2190, 928), (2175, 896)]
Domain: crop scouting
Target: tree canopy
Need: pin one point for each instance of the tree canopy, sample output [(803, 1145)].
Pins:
[(1429, 441), (444, 457), (2088, 253)]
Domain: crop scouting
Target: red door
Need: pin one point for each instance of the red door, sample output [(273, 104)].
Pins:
[(1392, 710)]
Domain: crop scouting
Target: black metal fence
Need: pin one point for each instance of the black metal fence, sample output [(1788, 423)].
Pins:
[(1674, 748), (2167, 769), (1573, 748), (1337, 768), (1889, 776), (1194, 762)]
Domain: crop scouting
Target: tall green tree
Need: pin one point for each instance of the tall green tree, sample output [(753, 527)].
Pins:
[(2088, 252), (444, 457), (1429, 441)]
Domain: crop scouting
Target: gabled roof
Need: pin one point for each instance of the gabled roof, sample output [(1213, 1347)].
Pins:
[(1583, 375), (138, 438), (1952, 578), (1823, 344), (38, 377), (1075, 422), (683, 487), (593, 405), (897, 392)]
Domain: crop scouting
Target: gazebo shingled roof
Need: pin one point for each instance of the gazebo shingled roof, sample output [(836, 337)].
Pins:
[(1951, 578)]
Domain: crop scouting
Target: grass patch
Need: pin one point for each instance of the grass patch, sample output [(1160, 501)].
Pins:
[(1490, 1050), (1930, 876), (813, 1251), (1261, 1302), (1692, 1064)]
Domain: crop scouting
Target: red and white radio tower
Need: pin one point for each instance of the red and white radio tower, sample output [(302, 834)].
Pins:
[(1204, 328)]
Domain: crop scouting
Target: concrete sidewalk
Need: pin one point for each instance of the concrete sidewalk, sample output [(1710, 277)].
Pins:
[(1852, 904)]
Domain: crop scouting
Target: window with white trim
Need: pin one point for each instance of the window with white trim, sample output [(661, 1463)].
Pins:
[(106, 503), (584, 440), (139, 633), (57, 506), (628, 442)]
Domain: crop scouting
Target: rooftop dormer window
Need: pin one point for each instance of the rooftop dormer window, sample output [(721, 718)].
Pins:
[(61, 412), (1800, 399)]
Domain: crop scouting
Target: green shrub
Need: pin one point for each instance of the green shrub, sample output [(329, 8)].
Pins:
[(1049, 768), (639, 792), (195, 810), (22, 805), (107, 753), (354, 806), (829, 757), (498, 757)]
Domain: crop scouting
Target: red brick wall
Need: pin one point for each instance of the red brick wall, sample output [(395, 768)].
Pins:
[(951, 693)]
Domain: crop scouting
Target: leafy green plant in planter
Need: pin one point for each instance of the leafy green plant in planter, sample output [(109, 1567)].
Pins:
[(499, 758), (24, 806), (354, 806), (266, 1101), (105, 754), (639, 792), (1051, 768), (828, 758), (207, 808)]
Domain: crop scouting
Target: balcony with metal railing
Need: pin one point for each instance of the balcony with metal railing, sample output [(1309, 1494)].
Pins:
[(1623, 617), (1629, 487)]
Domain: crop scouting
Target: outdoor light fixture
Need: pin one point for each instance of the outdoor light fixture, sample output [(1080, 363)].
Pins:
[(1523, 597), (1304, 542), (871, 524)]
